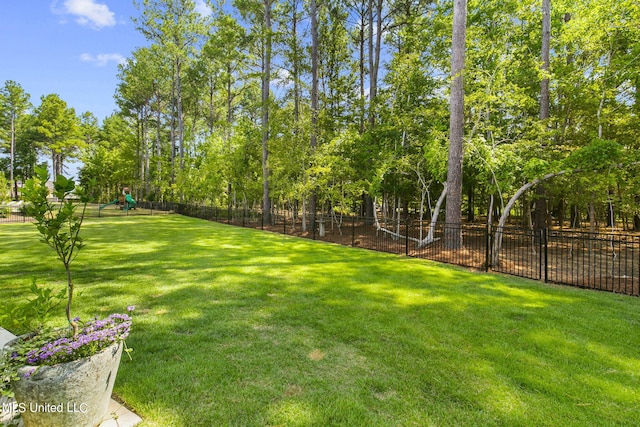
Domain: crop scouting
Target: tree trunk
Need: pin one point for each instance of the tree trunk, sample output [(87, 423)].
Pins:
[(314, 99), (470, 207), (172, 154), (158, 147), (266, 84), (575, 217), (497, 240), (12, 154), (424, 193), (180, 113), (434, 219), (375, 38), (546, 43), (611, 217), (368, 209), (561, 213), (361, 68), (592, 215), (453, 230), (540, 217), (490, 211), (228, 124), (57, 165)]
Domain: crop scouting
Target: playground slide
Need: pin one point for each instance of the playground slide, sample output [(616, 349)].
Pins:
[(108, 204), (131, 203)]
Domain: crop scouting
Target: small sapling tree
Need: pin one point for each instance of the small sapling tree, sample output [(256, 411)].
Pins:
[(57, 221)]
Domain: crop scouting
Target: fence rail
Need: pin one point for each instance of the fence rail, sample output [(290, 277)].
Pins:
[(7, 217), (608, 262)]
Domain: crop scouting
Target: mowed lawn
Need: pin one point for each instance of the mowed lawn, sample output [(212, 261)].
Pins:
[(238, 327)]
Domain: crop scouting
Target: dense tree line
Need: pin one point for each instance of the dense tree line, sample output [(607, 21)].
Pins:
[(52, 129), (344, 105)]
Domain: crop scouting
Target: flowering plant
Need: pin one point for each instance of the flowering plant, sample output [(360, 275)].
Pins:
[(49, 347), (59, 228), (93, 337)]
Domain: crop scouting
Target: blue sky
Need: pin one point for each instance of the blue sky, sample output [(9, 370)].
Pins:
[(71, 48), (68, 47)]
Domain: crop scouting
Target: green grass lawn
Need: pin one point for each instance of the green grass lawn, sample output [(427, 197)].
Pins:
[(237, 327)]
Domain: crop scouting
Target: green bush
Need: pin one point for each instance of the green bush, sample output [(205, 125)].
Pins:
[(32, 314)]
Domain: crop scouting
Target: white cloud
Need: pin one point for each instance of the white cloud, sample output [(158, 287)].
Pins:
[(282, 78), (102, 59), (90, 14), (203, 8)]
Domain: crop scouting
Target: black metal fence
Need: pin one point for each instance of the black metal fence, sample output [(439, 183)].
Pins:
[(521, 253), (142, 208), (8, 216), (12, 212), (609, 262)]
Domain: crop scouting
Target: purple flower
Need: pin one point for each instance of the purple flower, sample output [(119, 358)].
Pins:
[(93, 337), (131, 308)]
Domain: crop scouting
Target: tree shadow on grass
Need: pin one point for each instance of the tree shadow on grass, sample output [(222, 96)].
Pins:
[(250, 328)]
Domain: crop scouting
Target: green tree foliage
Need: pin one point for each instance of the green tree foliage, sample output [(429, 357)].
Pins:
[(58, 223), (4, 191), (56, 129), (110, 162), (175, 26), (221, 109), (14, 103)]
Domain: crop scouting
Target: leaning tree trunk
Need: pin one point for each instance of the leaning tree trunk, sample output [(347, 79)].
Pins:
[(497, 240), (434, 219)]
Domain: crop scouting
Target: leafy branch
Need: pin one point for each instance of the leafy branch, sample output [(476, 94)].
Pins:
[(58, 223)]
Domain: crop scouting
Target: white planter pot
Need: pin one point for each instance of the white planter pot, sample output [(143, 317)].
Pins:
[(72, 394)]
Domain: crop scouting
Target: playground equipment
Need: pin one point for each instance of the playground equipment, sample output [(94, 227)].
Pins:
[(124, 201)]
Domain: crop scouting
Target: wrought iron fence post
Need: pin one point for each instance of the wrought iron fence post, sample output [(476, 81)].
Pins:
[(569, 252), (545, 239), (487, 247), (313, 226), (406, 236), (539, 235), (353, 231)]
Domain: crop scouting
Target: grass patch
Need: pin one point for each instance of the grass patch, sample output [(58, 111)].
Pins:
[(239, 327)]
